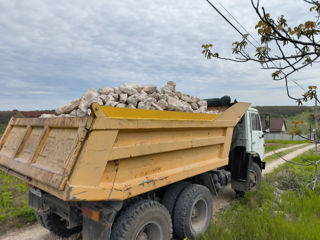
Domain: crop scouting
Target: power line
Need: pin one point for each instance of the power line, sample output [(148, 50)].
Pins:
[(229, 22), (238, 22), (224, 17)]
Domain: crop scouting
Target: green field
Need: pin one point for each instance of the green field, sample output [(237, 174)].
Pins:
[(280, 111), (306, 117), (283, 208), (272, 145), (280, 154)]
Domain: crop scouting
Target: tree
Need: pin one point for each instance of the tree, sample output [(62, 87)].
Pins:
[(294, 47), (296, 130)]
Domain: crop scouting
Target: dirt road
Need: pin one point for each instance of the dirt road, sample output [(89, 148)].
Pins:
[(225, 196), (284, 149), (276, 163)]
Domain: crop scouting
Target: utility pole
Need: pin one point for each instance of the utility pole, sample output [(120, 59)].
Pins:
[(316, 122)]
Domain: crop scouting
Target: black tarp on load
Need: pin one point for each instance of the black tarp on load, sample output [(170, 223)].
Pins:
[(217, 102)]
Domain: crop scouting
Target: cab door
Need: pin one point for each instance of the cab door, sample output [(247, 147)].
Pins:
[(257, 136)]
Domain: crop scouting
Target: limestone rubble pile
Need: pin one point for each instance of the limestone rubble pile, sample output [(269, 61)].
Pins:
[(134, 96)]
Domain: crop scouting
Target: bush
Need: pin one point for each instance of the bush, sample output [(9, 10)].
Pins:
[(283, 208)]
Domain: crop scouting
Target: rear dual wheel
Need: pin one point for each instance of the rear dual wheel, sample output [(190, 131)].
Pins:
[(190, 206), (143, 220), (193, 212), (55, 224)]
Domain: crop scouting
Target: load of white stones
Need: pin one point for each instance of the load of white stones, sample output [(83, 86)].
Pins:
[(134, 96)]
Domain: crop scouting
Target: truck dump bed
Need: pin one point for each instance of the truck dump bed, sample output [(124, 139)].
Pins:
[(116, 153)]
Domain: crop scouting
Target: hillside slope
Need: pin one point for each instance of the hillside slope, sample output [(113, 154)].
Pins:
[(291, 113)]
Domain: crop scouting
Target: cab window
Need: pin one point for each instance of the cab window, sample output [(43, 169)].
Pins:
[(255, 122)]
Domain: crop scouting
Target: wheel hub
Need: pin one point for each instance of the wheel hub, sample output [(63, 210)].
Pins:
[(150, 231), (252, 180), (142, 236), (199, 216)]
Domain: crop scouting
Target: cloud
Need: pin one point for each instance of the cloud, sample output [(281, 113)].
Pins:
[(54, 51)]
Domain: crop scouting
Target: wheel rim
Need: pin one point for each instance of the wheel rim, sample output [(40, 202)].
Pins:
[(253, 179), (199, 216), (150, 231)]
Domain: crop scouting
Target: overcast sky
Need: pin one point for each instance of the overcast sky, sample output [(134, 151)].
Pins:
[(52, 51)]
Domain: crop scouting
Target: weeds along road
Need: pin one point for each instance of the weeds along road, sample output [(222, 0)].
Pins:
[(276, 163), (283, 149), (225, 196)]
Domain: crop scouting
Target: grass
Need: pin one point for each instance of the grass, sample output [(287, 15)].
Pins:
[(14, 210), (269, 148), (272, 145), (277, 155), (286, 142), (283, 208)]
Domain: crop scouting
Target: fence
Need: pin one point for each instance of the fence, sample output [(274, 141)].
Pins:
[(284, 136)]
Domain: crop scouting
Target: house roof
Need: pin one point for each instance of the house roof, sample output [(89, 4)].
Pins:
[(275, 124)]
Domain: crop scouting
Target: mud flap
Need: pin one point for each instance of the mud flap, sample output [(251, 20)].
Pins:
[(98, 219), (241, 163), (43, 202), (95, 230)]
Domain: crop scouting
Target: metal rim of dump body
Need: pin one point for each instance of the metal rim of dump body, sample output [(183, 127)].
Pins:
[(150, 231), (199, 216)]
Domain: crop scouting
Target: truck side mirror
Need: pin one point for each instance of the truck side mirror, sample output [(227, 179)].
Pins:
[(267, 122)]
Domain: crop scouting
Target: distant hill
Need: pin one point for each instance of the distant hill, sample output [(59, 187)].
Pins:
[(4, 119), (283, 111), (6, 115), (291, 113)]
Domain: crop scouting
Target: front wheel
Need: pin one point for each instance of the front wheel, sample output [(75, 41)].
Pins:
[(255, 176), (254, 179)]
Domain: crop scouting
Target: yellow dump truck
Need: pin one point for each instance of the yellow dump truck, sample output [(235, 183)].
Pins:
[(133, 174)]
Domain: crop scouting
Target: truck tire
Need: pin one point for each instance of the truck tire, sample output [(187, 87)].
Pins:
[(171, 194), (207, 179), (254, 180), (254, 177), (145, 219), (131, 201), (56, 225), (193, 212)]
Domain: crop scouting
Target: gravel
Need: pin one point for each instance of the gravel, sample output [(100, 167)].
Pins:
[(134, 96)]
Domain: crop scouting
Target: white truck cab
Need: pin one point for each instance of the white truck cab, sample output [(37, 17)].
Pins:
[(247, 153), (254, 133)]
